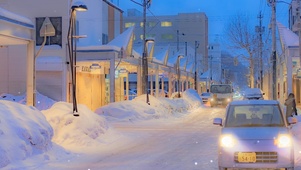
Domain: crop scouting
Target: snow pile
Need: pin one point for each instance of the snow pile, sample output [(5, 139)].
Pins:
[(42, 102), (138, 109), (84, 130), (192, 98), (24, 132)]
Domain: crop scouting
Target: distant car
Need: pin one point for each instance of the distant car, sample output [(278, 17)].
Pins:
[(161, 93), (205, 97), (132, 95), (255, 134), (253, 94)]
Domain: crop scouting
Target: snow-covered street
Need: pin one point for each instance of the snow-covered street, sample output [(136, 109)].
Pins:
[(187, 143), (169, 134)]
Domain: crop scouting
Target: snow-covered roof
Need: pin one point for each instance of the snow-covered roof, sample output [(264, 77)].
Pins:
[(162, 55), (97, 48), (287, 37), (172, 60), (125, 41), (15, 18), (206, 75)]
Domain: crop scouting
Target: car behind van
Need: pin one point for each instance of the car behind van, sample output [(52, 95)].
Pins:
[(253, 94)]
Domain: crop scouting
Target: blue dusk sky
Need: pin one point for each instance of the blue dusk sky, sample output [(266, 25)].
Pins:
[(217, 11)]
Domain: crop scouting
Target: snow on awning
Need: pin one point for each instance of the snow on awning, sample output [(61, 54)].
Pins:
[(14, 29), (125, 41)]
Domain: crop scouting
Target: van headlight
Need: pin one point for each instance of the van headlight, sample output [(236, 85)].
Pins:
[(228, 100), (283, 141), (227, 141)]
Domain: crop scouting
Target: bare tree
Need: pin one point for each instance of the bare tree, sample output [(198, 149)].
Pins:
[(241, 36)]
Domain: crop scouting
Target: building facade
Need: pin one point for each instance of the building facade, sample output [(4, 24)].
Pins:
[(101, 23), (179, 31)]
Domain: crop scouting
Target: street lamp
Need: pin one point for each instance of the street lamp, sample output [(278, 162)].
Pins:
[(77, 6), (145, 67), (179, 73)]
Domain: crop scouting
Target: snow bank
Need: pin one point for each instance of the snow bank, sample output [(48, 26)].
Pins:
[(159, 107), (70, 130), (42, 102), (24, 132), (192, 98)]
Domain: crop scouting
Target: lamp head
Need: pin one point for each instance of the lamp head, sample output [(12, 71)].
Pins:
[(150, 40), (79, 6), (180, 56)]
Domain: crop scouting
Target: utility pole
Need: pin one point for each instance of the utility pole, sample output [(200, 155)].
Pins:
[(272, 3), (178, 40), (145, 4), (260, 30), (299, 27), (210, 69)]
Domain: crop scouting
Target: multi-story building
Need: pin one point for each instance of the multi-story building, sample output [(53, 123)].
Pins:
[(180, 31)]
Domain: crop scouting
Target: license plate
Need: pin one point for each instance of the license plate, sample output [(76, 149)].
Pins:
[(247, 157)]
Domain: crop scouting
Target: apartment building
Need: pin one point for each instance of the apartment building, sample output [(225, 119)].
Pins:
[(179, 31)]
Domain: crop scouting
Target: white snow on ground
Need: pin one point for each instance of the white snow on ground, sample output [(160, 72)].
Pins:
[(31, 138)]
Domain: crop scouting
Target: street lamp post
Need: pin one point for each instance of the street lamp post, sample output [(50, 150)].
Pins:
[(78, 6), (145, 68), (179, 73)]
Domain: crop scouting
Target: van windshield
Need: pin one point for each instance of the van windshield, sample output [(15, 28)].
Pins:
[(220, 89)]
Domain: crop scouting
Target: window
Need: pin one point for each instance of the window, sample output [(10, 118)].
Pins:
[(129, 24), (167, 36), (52, 40), (152, 24), (166, 24), (150, 35)]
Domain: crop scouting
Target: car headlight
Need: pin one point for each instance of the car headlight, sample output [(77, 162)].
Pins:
[(211, 99), (227, 141), (283, 141), (228, 100)]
